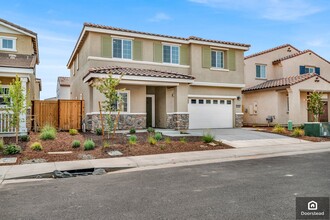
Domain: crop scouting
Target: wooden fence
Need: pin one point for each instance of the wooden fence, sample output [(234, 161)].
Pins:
[(62, 114)]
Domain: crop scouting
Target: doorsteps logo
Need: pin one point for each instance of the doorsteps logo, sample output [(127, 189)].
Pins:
[(312, 208)]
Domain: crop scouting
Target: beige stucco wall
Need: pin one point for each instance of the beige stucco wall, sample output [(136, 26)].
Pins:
[(24, 44)]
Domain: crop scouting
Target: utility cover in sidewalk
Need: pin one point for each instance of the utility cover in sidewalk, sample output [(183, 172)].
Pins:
[(8, 160), (115, 153)]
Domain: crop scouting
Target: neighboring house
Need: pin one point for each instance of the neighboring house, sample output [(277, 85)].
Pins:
[(278, 82), (169, 82), (63, 87), (18, 56)]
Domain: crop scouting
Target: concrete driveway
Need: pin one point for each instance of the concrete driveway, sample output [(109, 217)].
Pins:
[(247, 137)]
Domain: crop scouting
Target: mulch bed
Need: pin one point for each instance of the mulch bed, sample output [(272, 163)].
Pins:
[(289, 134), (119, 142)]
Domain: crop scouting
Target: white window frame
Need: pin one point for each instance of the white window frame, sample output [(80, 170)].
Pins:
[(8, 38), (128, 100), (171, 46), (216, 59), (1, 95), (309, 69), (265, 68), (122, 48)]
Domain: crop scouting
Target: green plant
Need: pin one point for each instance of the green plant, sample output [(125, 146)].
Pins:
[(152, 140), (48, 127), (302, 126), (75, 144), (11, 149), (2, 144), (167, 140), (48, 132), (208, 138), (278, 129), (132, 131), (36, 146), (151, 130), (297, 132), (132, 139), (73, 131), (24, 138), (106, 144), (183, 140), (162, 147), (98, 131), (315, 105), (158, 136), (89, 144)]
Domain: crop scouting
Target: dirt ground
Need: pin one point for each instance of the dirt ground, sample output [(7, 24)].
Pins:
[(119, 142)]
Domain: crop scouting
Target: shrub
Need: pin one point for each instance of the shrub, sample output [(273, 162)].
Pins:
[(162, 147), (278, 129), (297, 132), (208, 138), (48, 132), (48, 127), (158, 136), (11, 149), (132, 131), (36, 146), (73, 131), (89, 145), (75, 144), (24, 138), (2, 144), (98, 131), (106, 144), (167, 140), (132, 139), (150, 130), (152, 140), (183, 140)]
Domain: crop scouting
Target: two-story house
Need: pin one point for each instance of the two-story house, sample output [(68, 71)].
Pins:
[(63, 87), (18, 56), (170, 82), (278, 82)]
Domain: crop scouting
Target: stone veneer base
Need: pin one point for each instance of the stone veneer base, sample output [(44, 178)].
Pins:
[(177, 121), (238, 120)]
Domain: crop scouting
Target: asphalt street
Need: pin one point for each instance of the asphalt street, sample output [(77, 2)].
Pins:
[(250, 189)]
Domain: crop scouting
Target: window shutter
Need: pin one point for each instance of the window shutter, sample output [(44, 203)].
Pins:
[(258, 71), (302, 70), (184, 55), (106, 46), (231, 59), (206, 57), (158, 52), (317, 70), (137, 50)]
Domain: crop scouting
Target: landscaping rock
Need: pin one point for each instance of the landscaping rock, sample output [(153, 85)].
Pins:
[(99, 172), (34, 160), (115, 153), (8, 160), (212, 144), (203, 146)]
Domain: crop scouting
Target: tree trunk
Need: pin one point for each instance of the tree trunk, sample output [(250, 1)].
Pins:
[(17, 130)]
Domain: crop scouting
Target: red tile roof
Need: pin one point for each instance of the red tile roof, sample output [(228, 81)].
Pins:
[(270, 50), (117, 70), (64, 81), (17, 60), (283, 82), (298, 54)]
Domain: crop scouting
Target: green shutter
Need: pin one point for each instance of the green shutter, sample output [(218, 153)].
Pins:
[(231, 59), (206, 57), (158, 52), (137, 50), (184, 55), (106, 46)]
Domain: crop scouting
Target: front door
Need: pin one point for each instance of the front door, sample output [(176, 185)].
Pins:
[(150, 111)]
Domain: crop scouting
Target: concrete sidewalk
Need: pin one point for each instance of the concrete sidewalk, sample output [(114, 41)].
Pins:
[(185, 158)]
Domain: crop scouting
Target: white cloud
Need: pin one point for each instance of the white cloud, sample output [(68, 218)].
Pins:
[(160, 17), (280, 10)]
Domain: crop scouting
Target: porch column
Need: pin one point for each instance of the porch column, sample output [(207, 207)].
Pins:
[(294, 106), (22, 125), (179, 119)]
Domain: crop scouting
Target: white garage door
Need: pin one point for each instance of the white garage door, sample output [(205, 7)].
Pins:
[(210, 113)]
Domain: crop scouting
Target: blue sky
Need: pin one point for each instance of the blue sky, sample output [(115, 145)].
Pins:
[(262, 23)]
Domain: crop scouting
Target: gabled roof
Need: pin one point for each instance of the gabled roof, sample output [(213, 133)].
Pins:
[(298, 54), (283, 82), (270, 50), (127, 71), (63, 81), (17, 60)]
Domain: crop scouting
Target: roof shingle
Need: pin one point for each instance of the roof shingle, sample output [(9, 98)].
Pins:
[(270, 50), (298, 54)]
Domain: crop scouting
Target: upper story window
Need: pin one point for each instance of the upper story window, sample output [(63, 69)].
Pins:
[(217, 59), (7, 43), (261, 71), (122, 48), (171, 54), (309, 69)]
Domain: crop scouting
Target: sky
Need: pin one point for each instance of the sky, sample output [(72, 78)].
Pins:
[(261, 23)]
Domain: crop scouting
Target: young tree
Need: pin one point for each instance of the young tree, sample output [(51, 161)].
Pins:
[(315, 105), (16, 104)]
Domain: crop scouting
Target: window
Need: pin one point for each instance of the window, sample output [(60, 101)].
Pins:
[(193, 101), (8, 43), (208, 101), (122, 49), (287, 104), (309, 69), (171, 54), (77, 62), (261, 71), (228, 102), (215, 101), (124, 104), (222, 102), (217, 59), (201, 101), (3, 92)]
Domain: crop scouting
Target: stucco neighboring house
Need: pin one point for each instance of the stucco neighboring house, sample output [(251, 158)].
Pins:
[(170, 82), (18, 56), (278, 82), (63, 87)]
